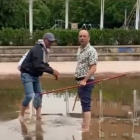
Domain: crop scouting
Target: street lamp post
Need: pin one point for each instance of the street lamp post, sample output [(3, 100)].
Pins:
[(66, 13), (125, 18), (137, 15), (102, 15), (31, 17)]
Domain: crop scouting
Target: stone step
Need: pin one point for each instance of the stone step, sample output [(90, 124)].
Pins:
[(53, 57), (72, 57), (71, 49), (74, 54), (24, 49)]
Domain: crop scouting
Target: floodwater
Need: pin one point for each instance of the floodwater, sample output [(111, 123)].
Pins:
[(115, 111)]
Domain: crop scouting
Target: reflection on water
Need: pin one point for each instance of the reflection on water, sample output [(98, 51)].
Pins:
[(48, 128), (115, 111), (120, 129), (38, 132), (107, 129)]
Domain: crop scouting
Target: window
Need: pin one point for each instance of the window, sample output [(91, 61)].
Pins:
[(126, 134), (113, 134), (101, 134), (136, 123)]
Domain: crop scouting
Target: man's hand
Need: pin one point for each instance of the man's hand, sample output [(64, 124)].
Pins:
[(55, 74), (83, 83)]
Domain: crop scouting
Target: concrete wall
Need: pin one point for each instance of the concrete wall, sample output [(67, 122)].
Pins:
[(68, 53)]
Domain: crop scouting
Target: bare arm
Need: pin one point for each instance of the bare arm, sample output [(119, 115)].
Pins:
[(93, 57), (91, 72)]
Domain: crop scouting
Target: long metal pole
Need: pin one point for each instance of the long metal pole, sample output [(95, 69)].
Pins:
[(137, 14), (125, 19), (135, 103), (31, 17), (102, 14), (67, 103), (31, 32), (101, 107), (66, 13), (136, 20)]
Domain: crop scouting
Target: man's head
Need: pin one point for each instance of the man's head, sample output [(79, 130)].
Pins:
[(84, 38), (48, 39)]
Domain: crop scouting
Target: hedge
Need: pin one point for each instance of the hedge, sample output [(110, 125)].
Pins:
[(21, 37)]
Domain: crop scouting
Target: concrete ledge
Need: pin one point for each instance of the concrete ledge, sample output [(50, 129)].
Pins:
[(119, 54), (68, 53), (51, 55), (29, 47), (74, 55), (74, 47)]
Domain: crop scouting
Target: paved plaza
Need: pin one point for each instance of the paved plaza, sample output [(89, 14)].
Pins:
[(69, 67)]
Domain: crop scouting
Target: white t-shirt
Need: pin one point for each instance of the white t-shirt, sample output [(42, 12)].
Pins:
[(21, 60)]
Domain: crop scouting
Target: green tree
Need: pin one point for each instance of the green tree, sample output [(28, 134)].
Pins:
[(115, 11), (41, 15), (57, 9), (15, 13), (84, 11), (10, 11)]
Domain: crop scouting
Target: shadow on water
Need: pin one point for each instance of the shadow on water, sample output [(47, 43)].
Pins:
[(115, 110)]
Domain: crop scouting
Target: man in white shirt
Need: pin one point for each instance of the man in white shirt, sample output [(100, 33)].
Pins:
[(86, 66)]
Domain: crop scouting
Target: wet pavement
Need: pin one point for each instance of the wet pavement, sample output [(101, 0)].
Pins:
[(63, 127), (47, 129), (115, 112)]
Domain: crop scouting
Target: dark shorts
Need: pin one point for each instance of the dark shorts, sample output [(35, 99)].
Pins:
[(84, 93)]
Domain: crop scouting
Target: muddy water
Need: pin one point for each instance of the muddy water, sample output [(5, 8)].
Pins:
[(114, 123)]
